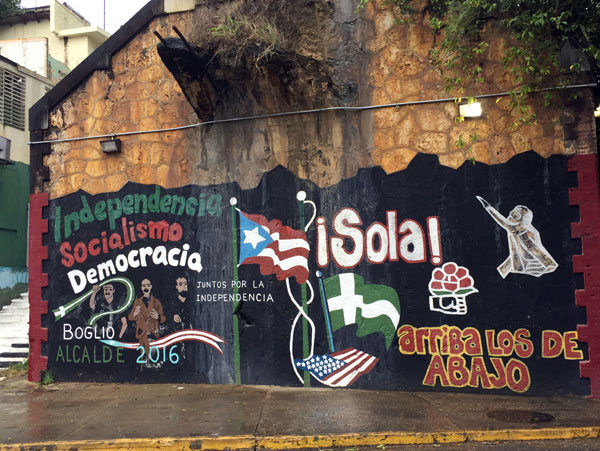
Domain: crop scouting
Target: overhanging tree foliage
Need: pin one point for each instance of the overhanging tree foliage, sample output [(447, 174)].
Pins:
[(9, 7), (538, 29)]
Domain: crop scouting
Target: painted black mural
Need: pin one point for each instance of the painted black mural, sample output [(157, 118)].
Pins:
[(426, 279)]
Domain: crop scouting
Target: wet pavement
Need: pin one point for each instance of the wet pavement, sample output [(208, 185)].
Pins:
[(184, 416)]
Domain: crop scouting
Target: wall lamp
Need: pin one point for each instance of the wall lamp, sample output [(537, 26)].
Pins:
[(470, 109), (111, 145)]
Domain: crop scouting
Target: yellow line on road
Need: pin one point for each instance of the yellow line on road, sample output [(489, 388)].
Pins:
[(416, 438), (287, 442)]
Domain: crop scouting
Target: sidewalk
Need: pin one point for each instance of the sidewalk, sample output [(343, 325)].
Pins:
[(205, 417)]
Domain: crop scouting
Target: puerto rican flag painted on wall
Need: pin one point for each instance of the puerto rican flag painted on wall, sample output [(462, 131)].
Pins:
[(278, 249)]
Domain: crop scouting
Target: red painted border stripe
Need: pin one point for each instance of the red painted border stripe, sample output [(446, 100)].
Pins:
[(37, 280), (587, 197)]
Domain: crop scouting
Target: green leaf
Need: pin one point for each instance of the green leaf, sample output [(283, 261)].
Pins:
[(466, 291)]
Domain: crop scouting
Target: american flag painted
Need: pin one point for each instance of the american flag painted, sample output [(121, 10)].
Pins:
[(278, 249), (338, 369)]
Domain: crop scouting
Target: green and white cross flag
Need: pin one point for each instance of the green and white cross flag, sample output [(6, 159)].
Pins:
[(375, 308)]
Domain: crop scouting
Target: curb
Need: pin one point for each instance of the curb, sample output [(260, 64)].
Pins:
[(319, 441)]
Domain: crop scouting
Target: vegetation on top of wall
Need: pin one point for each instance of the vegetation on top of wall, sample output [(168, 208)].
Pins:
[(235, 38), (246, 37), (538, 30), (249, 45)]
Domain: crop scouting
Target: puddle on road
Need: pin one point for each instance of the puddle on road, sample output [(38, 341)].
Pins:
[(520, 416)]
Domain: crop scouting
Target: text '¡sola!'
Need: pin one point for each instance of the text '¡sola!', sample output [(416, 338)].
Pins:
[(349, 244)]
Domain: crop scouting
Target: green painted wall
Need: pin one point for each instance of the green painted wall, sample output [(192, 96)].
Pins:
[(14, 197), (58, 70)]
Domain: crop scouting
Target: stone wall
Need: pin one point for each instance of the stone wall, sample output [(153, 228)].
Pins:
[(401, 72), (137, 93), (383, 62)]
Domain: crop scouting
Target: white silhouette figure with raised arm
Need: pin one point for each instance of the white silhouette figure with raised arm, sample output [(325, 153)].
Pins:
[(527, 254)]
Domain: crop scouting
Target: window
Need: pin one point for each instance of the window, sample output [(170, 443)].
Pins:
[(12, 99)]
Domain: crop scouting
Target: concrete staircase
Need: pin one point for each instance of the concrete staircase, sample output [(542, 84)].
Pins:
[(14, 331)]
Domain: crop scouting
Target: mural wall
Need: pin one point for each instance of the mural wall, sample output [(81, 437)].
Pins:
[(430, 278)]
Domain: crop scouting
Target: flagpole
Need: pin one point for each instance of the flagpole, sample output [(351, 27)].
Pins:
[(325, 310), (236, 327), (301, 196)]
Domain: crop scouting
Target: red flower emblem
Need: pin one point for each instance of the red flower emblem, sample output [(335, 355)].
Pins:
[(451, 279)]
